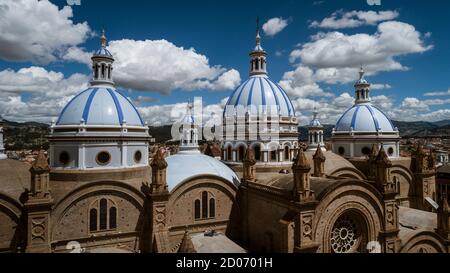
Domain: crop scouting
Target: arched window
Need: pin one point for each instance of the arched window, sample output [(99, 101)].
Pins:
[(204, 204), (286, 153), (315, 137), (109, 71), (93, 219), (102, 215), (257, 64), (229, 153), (96, 71), (197, 209), (212, 208), (103, 71), (241, 153), (273, 155), (112, 218), (258, 153)]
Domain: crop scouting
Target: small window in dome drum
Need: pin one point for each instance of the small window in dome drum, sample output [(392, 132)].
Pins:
[(103, 158)]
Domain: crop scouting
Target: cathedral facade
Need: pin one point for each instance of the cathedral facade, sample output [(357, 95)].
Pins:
[(98, 189)]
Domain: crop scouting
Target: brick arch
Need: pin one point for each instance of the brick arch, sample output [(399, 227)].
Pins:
[(348, 172), (131, 197), (345, 197), (427, 241)]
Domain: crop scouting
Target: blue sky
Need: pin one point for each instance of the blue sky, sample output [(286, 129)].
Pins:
[(221, 34)]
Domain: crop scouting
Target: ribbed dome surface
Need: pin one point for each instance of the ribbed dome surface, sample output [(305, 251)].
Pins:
[(364, 118), (262, 94), (100, 106)]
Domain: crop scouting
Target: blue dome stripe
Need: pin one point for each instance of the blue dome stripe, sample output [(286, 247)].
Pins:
[(88, 105), (134, 107), (67, 105), (250, 93), (240, 93), (286, 99), (375, 120), (285, 94), (390, 121), (118, 107), (339, 121), (263, 93), (355, 114), (274, 94), (232, 94)]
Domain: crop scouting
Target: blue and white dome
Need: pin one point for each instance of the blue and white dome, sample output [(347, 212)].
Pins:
[(103, 52), (364, 118), (100, 106), (261, 91)]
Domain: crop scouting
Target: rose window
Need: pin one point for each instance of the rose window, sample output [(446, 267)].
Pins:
[(346, 235)]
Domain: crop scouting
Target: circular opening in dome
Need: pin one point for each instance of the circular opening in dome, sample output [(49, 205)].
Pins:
[(64, 158), (103, 158), (137, 156), (365, 151), (390, 151), (341, 150)]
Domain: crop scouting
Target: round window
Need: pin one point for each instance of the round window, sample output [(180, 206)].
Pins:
[(64, 158), (103, 158), (391, 151), (138, 156), (346, 235), (341, 150), (365, 151)]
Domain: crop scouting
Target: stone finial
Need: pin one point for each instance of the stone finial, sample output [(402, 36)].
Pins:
[(300, 162), (373, 152), (159, 179), (383, 159), (431, 160), (319, 162), (159, 162), (208, 150), (302, 189), (186, 245), (249, 163), (40, 163)]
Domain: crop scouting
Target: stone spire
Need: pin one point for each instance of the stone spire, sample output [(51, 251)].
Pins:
[(38, 206), (362, 89), (319, 162), (372, 162), (159, 179), (102, 65), (420, 159), (301, 169), (2, 147), (249, 163), (186, 245), (258, 56), (383, 164)]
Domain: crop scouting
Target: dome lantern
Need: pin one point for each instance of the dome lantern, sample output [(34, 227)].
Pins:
[(258, 56), (362, 89), (102, 65)]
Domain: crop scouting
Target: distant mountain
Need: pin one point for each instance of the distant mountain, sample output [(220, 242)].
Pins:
[(33, 135)]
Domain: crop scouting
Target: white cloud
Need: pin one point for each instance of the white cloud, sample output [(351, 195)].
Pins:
[(380, 86), (352, 19), (77, 54), (274, 25), (48, 92), (160, 66), (432, 94), (37, 31), (301, 83)]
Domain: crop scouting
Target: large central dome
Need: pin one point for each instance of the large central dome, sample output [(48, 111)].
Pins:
[(260, 92), (100, 106)]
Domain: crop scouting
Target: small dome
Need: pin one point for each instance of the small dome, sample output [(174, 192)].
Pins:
[(103, 52), (100, 106), (261, 91), (191, 163), (364, 118)]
